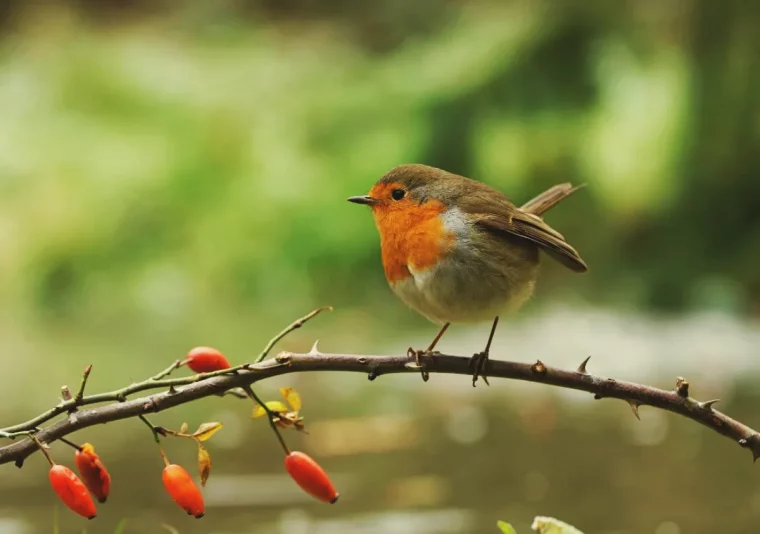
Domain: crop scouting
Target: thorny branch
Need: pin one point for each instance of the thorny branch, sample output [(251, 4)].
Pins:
[(187, 389)]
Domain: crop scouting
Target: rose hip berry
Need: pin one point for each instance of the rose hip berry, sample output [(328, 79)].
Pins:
[(72, 491), (206, 360), (310, 477), (181, 487), (93, 472)]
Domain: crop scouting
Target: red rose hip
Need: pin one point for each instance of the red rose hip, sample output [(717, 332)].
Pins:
[(206, 360), (310, 477), (181, 487), (72, 491), (94, 474)]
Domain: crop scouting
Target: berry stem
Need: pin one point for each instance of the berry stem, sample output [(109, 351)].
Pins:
[(70, 444), (44, 451), (270, 416), (152, 427), (163, 456)]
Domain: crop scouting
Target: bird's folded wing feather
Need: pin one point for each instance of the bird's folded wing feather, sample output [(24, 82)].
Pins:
[(498, 215)]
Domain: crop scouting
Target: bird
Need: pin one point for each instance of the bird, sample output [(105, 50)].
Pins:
[(456, 250)]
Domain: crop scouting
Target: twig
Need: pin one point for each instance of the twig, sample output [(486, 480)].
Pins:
[(270, 416), (70, 444), (153, 428), (293, 326), (85, 375), (214, 383), (166, 372)]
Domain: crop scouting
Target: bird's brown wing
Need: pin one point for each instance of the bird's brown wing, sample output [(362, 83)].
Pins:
[(497, 215)]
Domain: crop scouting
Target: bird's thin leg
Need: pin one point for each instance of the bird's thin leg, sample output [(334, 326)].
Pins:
[(479, 360), (437, 338), (418, 353)]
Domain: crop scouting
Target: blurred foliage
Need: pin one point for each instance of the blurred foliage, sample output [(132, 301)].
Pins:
[(156, 159)]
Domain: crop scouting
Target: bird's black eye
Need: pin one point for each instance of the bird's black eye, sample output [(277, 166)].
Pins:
[(398, 194)]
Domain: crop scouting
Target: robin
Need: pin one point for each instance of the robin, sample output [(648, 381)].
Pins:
[(458, 251)]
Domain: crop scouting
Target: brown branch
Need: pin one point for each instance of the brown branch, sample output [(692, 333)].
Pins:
[(676, 400)]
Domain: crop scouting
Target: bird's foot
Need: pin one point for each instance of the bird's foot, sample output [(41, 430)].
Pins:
[(417, 363), (478, 364)]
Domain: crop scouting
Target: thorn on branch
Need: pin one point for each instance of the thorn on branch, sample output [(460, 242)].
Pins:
[(314, 349), (707, 405), (635, 408), (582, 366), (373, 374), (682, 387), (752, 443), (538, 368)]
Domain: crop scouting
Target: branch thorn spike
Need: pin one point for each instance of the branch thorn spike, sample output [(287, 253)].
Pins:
[(314, 349), (635, 408), (707, 405), (582, 366)]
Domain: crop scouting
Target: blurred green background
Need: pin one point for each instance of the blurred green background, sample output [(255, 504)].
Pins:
[(175, 174)]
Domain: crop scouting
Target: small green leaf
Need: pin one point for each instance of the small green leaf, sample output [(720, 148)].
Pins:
[(505, 528), (549, 525)]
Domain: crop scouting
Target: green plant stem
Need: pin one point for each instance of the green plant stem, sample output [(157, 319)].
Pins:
[(295, 325), (270, 416), (70, 444), (80, 393), (152, 427), (44, 451)]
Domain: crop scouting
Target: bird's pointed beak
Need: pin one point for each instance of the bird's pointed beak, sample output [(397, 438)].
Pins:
[(364, 199)]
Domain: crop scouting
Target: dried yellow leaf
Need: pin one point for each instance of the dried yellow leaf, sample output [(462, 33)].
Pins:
[(204, 463), (206, 430), (292, 397), (274, 406)]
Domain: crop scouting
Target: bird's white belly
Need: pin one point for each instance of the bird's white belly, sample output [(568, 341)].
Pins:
[(450, 293)]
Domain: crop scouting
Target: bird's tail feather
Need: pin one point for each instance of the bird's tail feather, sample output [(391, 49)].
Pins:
[(549, 198)]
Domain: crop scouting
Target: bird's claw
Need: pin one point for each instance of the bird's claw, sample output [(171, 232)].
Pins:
[(417, 364), (477, 365)]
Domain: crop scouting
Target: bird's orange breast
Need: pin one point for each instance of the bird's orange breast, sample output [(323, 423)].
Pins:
[(411, 235)]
